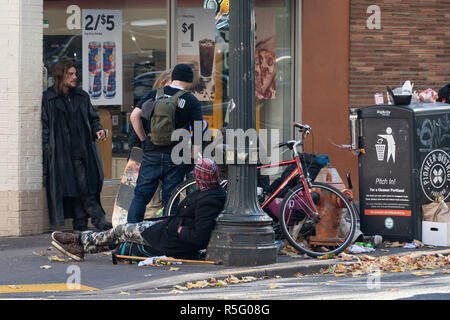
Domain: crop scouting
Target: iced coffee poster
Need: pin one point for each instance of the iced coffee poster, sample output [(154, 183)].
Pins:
[(265, 54), (196, 47), (102, 56)]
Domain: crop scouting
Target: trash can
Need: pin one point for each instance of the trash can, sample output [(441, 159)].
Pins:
[(404, 163)]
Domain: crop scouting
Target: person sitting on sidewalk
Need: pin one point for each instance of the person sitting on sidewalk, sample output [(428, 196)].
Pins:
[(181, 235)]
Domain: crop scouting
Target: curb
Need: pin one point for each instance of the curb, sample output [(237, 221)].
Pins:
[(304, 266)]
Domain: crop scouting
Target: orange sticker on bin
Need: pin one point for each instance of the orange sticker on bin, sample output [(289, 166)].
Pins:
[(403, 213)]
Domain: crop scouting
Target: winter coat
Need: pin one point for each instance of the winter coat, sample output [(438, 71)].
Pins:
[(197, 214), (57, 161)]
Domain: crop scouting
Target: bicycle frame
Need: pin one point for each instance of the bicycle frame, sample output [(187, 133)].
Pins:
[(297, 172)]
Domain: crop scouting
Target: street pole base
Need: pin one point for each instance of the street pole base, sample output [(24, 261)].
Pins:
[(237, 244)]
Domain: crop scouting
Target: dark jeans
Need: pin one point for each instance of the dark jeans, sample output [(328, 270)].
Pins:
[(154, 167), (86, 205)]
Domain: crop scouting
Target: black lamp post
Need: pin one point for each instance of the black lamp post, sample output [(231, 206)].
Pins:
[(244, 235)]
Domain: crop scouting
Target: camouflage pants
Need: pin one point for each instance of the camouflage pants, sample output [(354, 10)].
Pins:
[(94, 242)]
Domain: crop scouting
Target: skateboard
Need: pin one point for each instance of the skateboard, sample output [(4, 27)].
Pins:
[(125, 193)]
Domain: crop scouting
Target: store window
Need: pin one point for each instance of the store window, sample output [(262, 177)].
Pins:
[(137, 39), (202, 40), (134, 48)]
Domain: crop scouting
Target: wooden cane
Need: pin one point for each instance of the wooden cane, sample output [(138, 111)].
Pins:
[(117, 256)]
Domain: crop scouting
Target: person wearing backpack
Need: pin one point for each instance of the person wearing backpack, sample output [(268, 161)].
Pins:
[(168, 108)]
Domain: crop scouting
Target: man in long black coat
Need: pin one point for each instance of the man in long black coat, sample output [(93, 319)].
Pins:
[(73, 173), (181, 235)]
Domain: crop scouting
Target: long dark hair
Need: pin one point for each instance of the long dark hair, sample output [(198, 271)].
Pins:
[(59, 71)]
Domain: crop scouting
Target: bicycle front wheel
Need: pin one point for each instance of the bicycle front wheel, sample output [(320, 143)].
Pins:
[(179, 194), (332, 234)]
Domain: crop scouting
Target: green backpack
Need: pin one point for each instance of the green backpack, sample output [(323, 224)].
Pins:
[(162, 122)]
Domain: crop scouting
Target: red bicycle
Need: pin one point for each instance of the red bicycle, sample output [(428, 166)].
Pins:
[(315, 218)]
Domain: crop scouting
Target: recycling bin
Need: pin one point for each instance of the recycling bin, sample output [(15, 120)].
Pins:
[(403, 163)]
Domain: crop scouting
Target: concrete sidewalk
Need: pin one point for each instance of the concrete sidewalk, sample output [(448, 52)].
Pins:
[(22, 261)]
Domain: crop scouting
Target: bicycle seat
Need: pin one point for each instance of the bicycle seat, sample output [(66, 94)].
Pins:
[(289, 144)]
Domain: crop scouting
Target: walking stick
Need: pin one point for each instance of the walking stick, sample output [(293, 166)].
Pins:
[(118, 256)]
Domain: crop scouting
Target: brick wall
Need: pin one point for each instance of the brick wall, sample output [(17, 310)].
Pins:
[(412, 44), (20, 128)]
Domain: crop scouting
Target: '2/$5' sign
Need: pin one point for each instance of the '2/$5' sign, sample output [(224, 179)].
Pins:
[(102, 52)]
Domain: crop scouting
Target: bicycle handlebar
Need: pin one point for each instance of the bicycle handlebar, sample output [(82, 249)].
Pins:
[(293, 144), (303, 127)]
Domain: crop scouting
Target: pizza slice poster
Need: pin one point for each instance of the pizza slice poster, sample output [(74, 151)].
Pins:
[(265, 54)]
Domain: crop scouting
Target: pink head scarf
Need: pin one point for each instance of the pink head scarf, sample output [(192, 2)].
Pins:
[(206, 174)]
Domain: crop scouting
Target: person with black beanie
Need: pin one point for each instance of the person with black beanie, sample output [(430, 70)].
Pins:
[(157, 164)]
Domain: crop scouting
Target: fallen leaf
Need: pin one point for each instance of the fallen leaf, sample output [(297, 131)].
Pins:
[(275, 286), (395, 244), (417, 242), (190, 285), (174, 269), (221, 283), (248, 279), (45, 267), (56, 258), (123, 293), (201, 284), (39, 253), (340, 274), (298, 275), (176, 291), (357, 274), (232, 280), (346, 257), (13, 286), (178, 287)]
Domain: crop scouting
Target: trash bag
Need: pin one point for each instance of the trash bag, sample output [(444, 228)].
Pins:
[(444, 94)]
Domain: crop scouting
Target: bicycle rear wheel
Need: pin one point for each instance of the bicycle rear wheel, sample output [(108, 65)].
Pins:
[(336, 229)]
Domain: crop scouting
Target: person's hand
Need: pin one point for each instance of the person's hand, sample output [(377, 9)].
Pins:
[(101, 135), (179, 229)]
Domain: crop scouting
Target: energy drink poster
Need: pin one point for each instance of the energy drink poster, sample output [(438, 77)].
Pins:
[(102, 56), (196, 47)]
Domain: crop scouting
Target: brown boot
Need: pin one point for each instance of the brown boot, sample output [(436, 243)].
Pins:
[(65, 238), (73, 250)]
